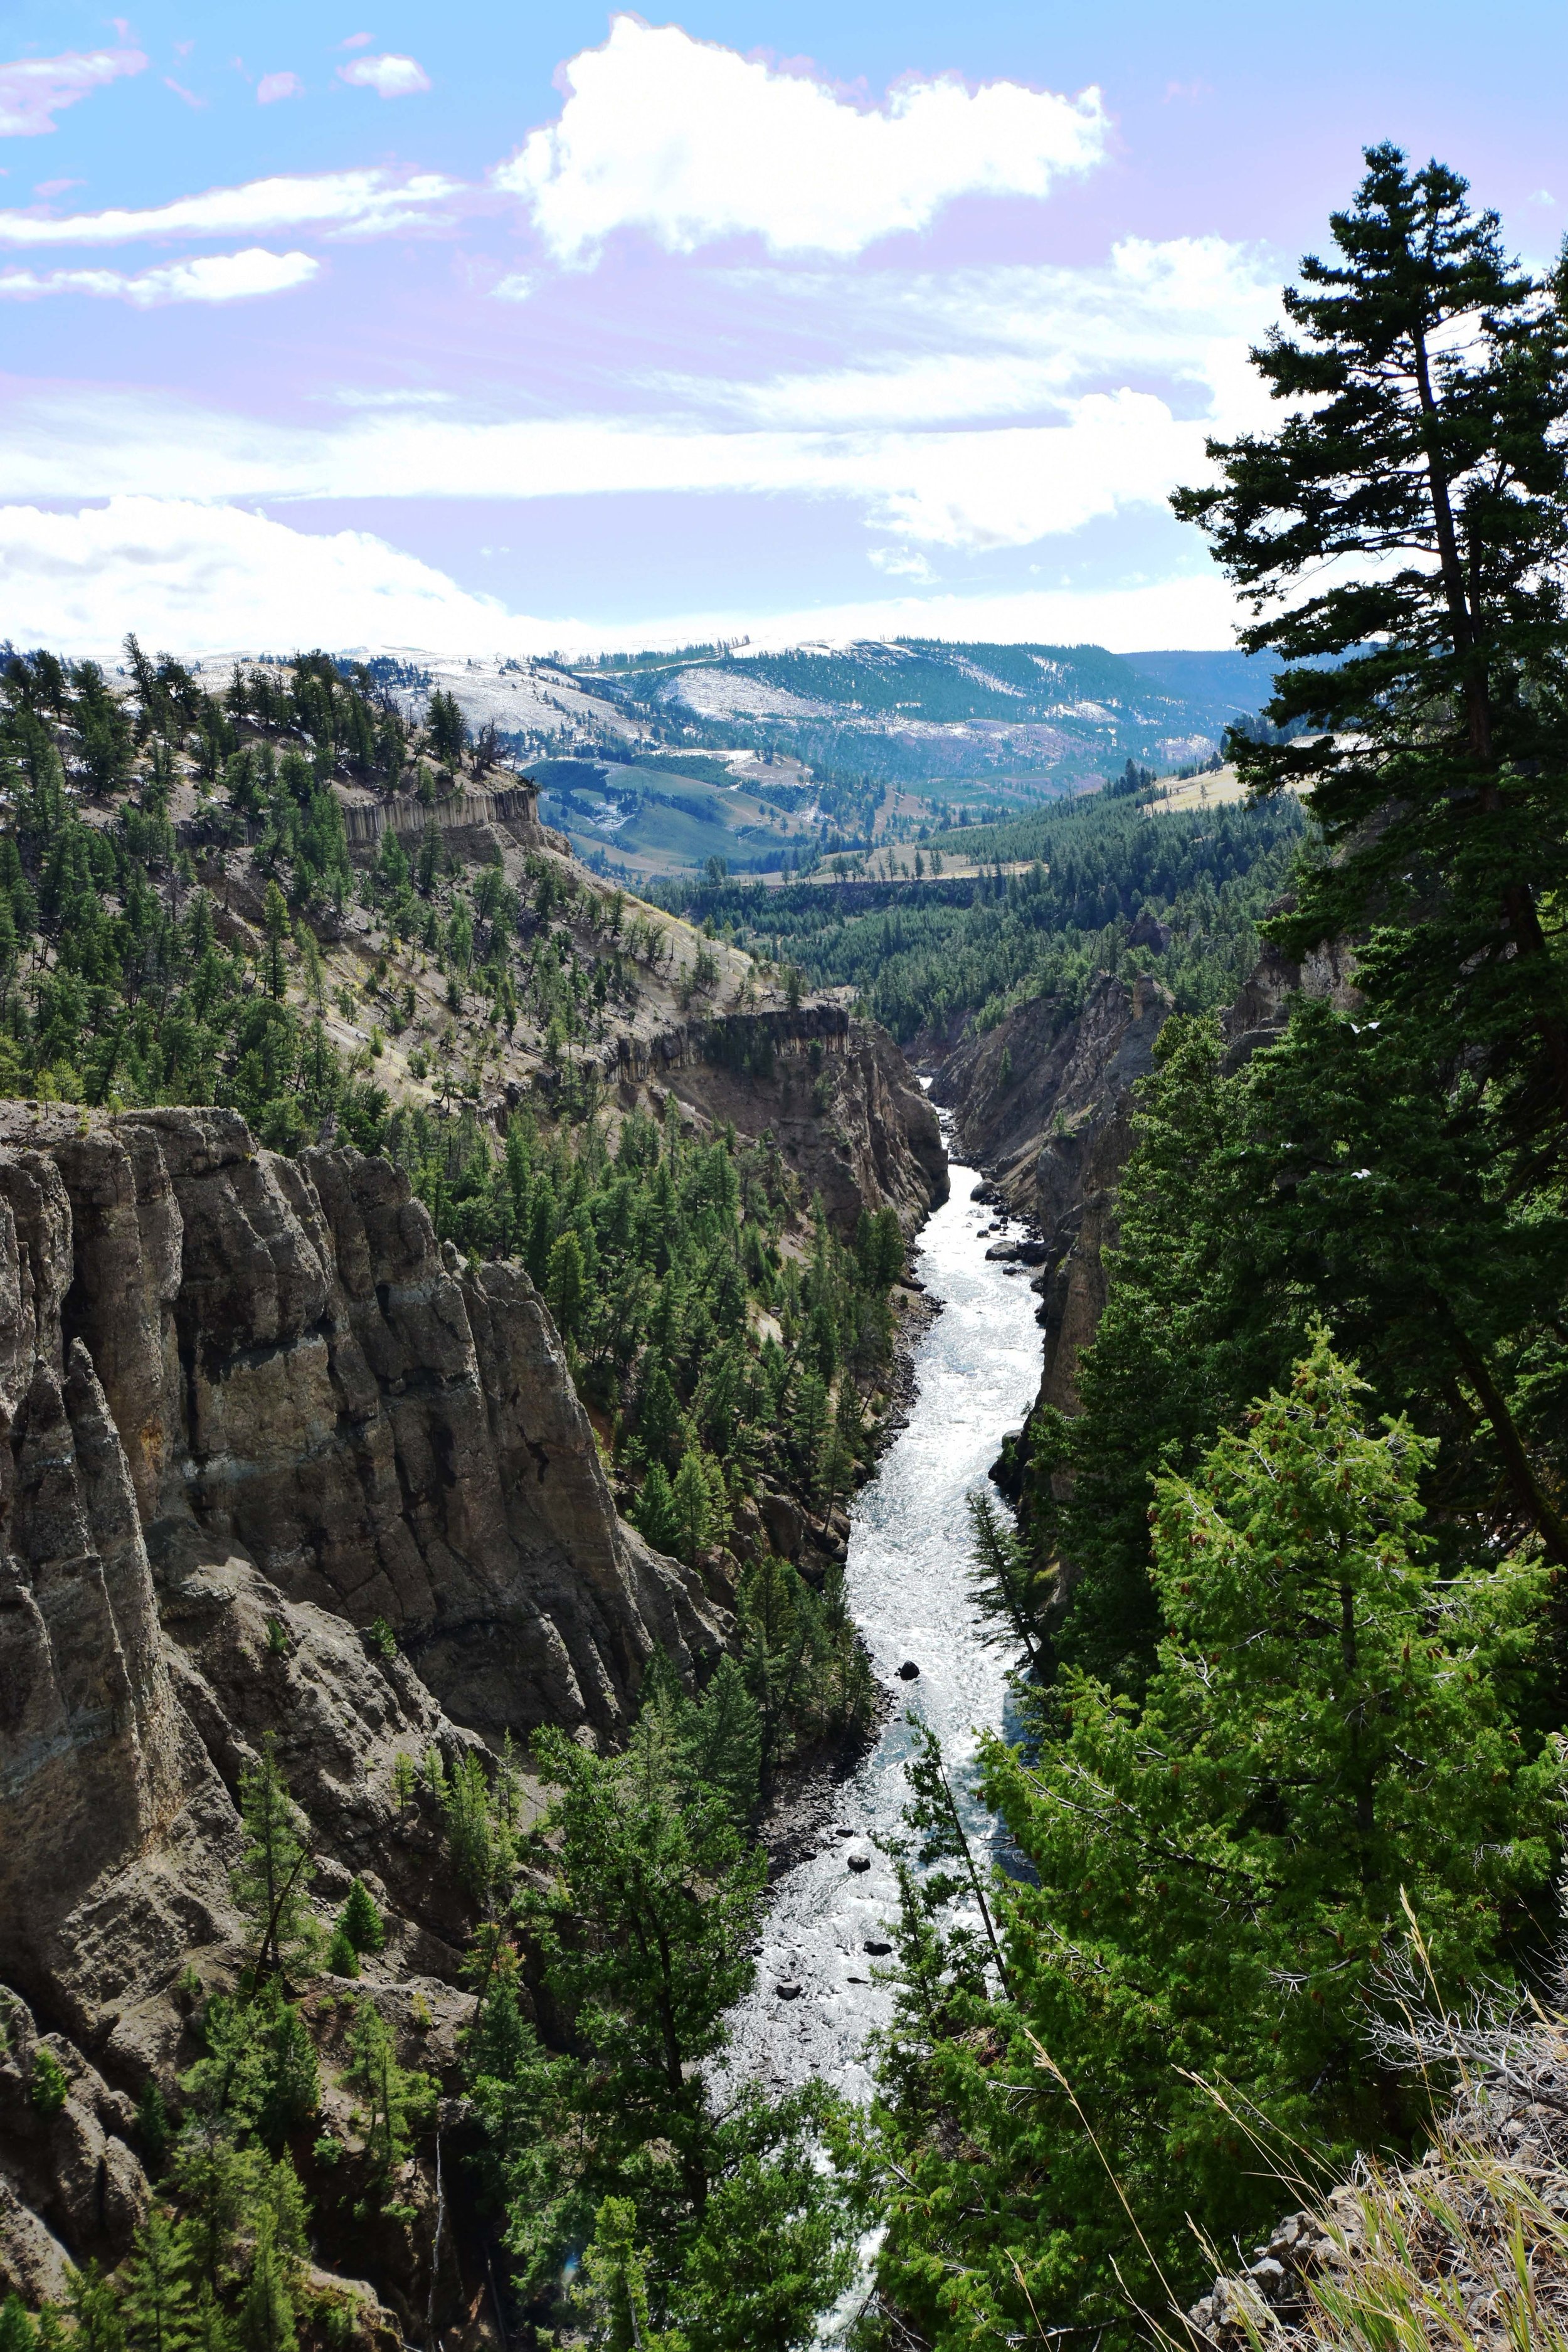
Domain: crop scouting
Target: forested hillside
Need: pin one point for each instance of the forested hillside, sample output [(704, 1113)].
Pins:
[(926, 954)]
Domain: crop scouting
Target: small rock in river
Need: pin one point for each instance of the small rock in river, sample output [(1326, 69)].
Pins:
[(859, 1862), (908, 1672), (878, 1951), (788, 1992), (843, 1830)]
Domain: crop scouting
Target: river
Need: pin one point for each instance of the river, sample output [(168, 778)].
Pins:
[(977, 1369)]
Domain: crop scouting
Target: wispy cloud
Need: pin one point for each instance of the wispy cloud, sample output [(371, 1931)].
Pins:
[(361, 204), (1003, 488), (212, 277), (274, 86), (692, 143), (389, 77), (33, 90), (208, 578)]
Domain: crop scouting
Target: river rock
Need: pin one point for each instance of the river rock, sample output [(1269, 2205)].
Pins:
[(789, 1991), (908, 1672), (877, 1949), (859, 1862)]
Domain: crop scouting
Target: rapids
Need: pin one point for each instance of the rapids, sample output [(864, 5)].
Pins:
[(977, 1369)]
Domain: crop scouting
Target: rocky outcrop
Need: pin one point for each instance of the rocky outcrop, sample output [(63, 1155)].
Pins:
[(838, 1098), (234, 1386), (1048, 1103), (1045, 1101), (834, 1092), (272, 1463)]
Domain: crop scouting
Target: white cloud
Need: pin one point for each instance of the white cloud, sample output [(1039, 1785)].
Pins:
[(370, 203), (1004, 341), (211, 277), (206, 579), (1004, 487), (517, 288), (692, 143), (274, 86), (901, 562), (389, 77), (33, 90)]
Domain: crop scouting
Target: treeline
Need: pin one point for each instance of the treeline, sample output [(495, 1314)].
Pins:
[(1290, 1583), (921, 963)]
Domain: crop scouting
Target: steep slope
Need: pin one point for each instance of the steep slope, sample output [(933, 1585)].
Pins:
[(1044, 1101), (250, 1408)]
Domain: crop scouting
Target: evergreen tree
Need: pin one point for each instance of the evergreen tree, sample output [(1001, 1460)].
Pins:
[(267, 2313), (726, 1739), (17, 2333), (361, 1921), (155, 2289), (95, 2310), (272, 1882), (1422, 472), (396, 2099), (1004, 1580), (1215, 1881)]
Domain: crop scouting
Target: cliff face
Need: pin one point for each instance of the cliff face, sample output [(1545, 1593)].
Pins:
[(1058, 1132), (248, 1406), (835, 1093), (1047, 1103), (217, 1362)]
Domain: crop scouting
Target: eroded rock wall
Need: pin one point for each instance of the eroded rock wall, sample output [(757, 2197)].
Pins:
[(218, 1364), (1045, 1102)]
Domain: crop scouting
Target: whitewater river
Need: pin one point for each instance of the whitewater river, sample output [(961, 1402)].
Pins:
[(978, 1368)]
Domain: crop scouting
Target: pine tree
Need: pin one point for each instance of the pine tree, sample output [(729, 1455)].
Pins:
[(395, 2098), (1422, 476), (266, 2315), (17, 2333), (1215, 1880), (155, 2293), (272, 1882), (361, 1921), (95, 2309), (725, 1739), (655, 1510), (1004, 1581)]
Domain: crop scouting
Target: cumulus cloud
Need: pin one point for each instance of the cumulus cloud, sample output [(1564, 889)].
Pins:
[(208, 578), (370, 203), (212, 277), (692, 143), (274, 86), (33, 90), (389, 77)]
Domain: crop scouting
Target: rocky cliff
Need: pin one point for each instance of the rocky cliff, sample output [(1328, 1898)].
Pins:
[(247, 1408), (1045, 1100)]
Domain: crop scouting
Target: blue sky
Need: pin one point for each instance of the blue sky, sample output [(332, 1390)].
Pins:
[(499, 328)]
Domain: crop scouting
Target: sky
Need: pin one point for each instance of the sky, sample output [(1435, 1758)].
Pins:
[(493, 328)]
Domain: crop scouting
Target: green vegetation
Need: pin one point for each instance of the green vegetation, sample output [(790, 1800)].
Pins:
[(732, 1342), (933, 951), (1214, 1882), (707, 2223)]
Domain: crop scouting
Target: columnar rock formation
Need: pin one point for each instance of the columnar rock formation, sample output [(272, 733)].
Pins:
[(217, 1363)]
